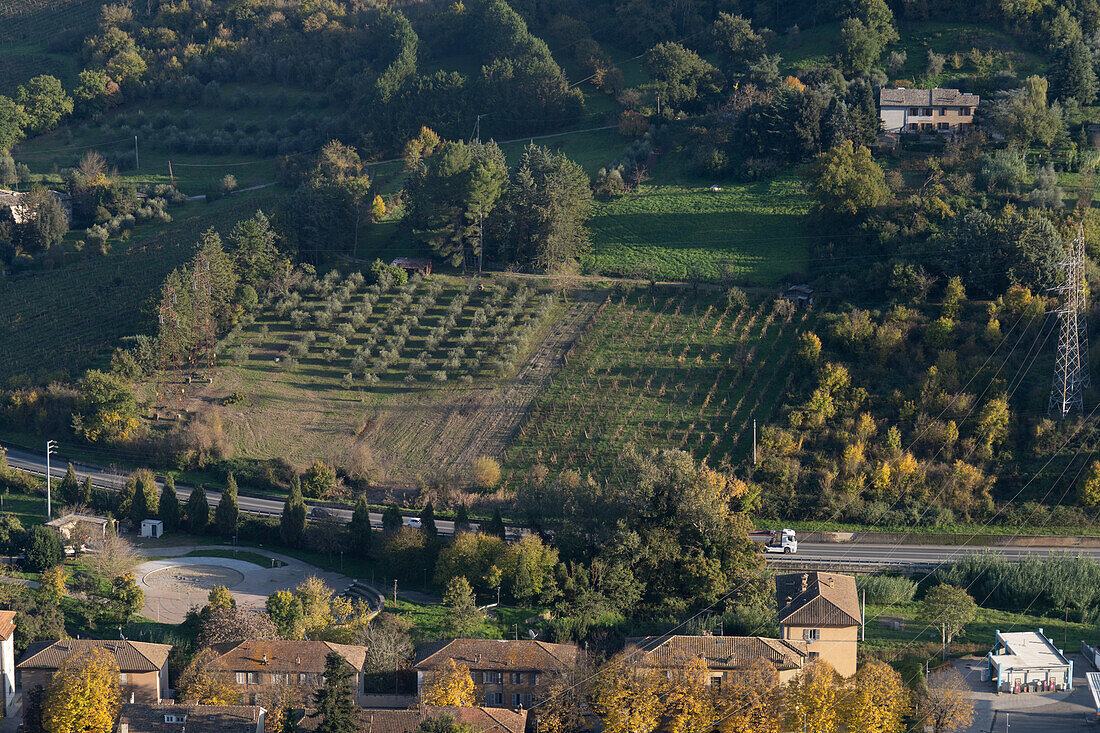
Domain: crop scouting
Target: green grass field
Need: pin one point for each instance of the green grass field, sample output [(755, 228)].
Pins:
[(54, 324), (663, 368), (751, 232), (264, 561)]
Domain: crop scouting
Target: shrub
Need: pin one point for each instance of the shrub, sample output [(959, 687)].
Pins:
[(886, 590), (319, 480), (44, 550), (440, 376), (486, 472)]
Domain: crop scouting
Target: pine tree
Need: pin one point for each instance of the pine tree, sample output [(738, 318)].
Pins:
[(141, 496), (360, 528), (169, 509), (495, 526), (225, 515), (333, 700), (85, 496), (198, 511), (292, 527), (70, 487), (427, 520)]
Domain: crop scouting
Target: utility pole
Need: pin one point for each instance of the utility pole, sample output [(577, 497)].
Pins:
[(51, 448), (477, 129), (754, 441), (171, 178), (137, 163), (658, 104), (1071, 372), (395, 591)]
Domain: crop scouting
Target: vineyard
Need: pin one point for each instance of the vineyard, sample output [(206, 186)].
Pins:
[(411, 378), (665, 368), (54, 324), (43, 21)]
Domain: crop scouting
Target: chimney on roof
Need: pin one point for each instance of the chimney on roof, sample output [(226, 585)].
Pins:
[(265, 657), (298, 660), (805, 581)]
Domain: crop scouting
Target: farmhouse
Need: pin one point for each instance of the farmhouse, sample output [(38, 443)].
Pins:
[(1027, 661), (507, 673), (724, 656), (822, 610), (258, 665), (84, 527), (926, 110)]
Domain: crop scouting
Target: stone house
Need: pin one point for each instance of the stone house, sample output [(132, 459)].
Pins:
[(724, 656), (184, 718), (258, 665), (926, 110), (821, 610)]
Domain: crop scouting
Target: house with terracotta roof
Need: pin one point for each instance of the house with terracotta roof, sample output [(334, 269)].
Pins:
[(513, 674), (926, 110), (168, 717), (822, 610), (479, 719), (260, 664), (724, 656), (7, 657), (142, 667)]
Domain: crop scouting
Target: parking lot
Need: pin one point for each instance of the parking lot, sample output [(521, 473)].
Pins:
[(1064, 712)]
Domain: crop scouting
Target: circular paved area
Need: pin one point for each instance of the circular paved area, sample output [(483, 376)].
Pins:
[(182, 578)]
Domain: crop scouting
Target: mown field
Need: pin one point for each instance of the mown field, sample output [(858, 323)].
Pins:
[(664, 368), (54, 324)]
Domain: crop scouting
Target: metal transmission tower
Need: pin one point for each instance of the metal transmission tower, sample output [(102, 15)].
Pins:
[(1071, 373)]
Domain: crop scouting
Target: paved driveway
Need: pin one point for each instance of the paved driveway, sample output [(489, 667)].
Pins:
[(1051, 712)]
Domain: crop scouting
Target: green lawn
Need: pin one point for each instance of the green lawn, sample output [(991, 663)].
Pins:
[(752, 232), (264, 561), (28, 509), (429, 622)]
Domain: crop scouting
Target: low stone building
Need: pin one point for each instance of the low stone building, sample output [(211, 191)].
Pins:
[(258, 665), (514, 674)]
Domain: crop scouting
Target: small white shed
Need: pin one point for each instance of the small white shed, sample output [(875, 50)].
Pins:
[(152, 528)]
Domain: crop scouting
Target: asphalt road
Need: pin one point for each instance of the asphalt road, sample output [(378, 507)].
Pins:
[(113, 481), (919, 554)]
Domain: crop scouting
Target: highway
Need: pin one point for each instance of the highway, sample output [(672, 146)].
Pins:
[(113, 481), (837, 556)]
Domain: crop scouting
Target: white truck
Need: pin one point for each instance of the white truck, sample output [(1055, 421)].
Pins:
[(782, 541)]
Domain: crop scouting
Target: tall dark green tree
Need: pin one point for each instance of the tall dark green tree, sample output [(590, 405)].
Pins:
[(391, 519), (495, 526), (332, 701), (252, 243), (140, 496), (169, 509), (198, 511), (680, 77), (1073, 74), (228, 509), (69, 489), (462, 519), (736, 42), (360, 528), (427, 520), (292, 526), (541, 221), (85, 495)]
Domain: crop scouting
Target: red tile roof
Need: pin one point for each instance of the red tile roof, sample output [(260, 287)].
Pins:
[(131, 656), (143, 718), (286, 656), (817, 599), (502, 654), (7, 624), (719, 652), (481, 720)]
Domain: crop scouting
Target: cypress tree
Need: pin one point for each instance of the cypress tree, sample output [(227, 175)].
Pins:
[(143, 500), (462, 519), (495, 526), (198, 511), (427, 520), (169, 509), (360, 528), (227, 511), (391, 519), (70, 487), (292, 527), (332, 701), (85, 494)]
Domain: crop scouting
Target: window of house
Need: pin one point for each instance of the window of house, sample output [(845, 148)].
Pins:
[(175, 718), (914, 126), (945, 126), (926, 126), (534, 678), (301, 678), (716, 682), (914, 111), (492, 678), (927, 112), (253, 678), (241, 678), (964, 111), (517, 700), (123, 678), (517, 678), (494, 699), (811, 634), (814, 655)]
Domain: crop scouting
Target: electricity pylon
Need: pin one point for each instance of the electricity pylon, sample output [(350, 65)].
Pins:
[(1071, 372)]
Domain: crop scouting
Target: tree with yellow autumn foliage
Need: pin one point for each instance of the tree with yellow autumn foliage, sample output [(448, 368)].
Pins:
[(875, 700), (689, 705), (628, 698), (52, 589), (946, 706), (453, 686), (810, 700), (83, 696), (749, 700), (207, 681)]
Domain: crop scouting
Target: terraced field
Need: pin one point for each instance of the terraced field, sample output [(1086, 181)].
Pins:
[(664, 368)]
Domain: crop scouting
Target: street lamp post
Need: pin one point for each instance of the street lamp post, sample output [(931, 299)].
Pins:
[(51, 448)]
